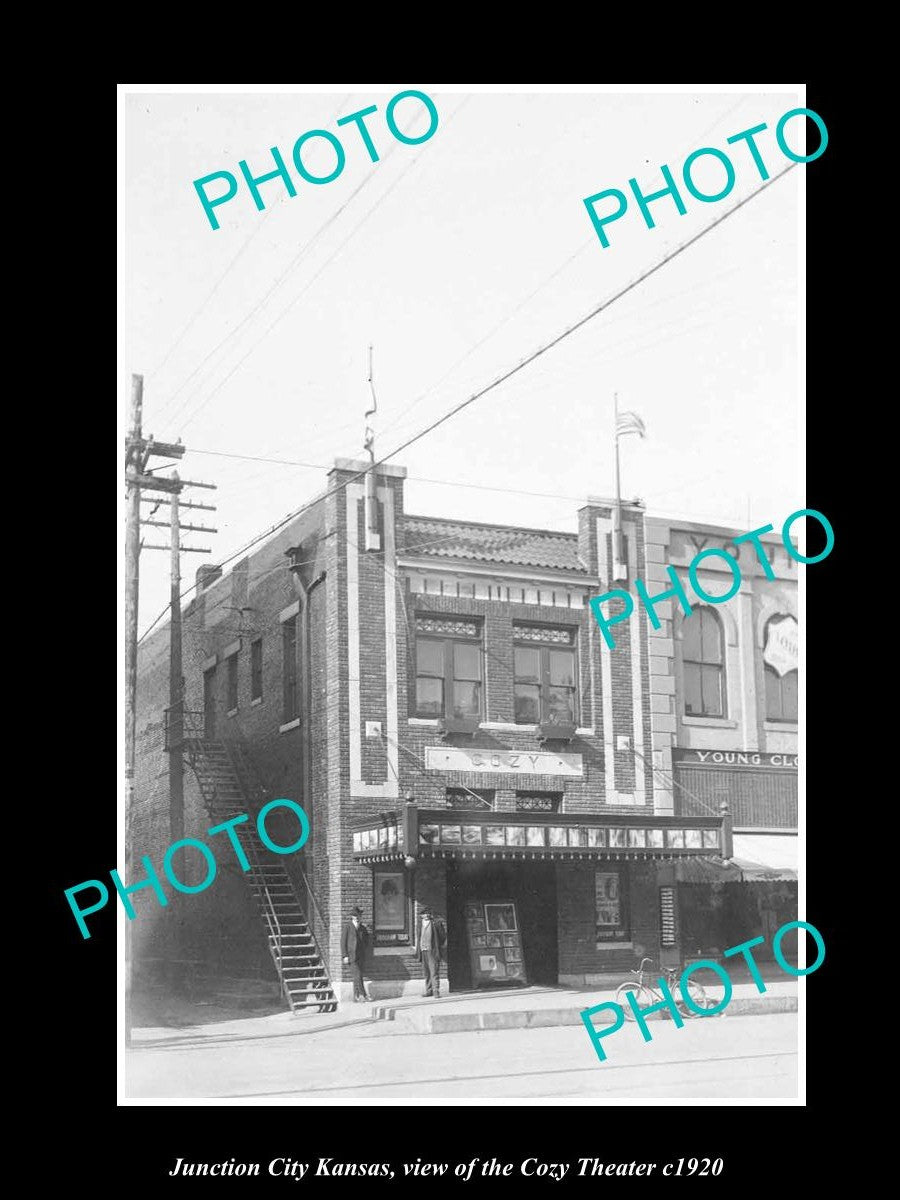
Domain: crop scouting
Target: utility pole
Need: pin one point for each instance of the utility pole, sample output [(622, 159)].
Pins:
[(133, 453), (138, 452), (175, 717), (175, 713), (176, 679)]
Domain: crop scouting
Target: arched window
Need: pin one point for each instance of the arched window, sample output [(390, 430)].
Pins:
[(781, 690), (703, 659)]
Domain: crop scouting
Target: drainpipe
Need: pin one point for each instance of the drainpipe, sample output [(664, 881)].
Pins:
[(306, 671), (726, 838)]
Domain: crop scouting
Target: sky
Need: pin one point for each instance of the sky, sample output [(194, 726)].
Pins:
[(456, 259)]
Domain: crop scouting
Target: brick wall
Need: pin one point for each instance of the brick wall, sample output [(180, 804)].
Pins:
[(220, 924), (216, 931), (580, 961)]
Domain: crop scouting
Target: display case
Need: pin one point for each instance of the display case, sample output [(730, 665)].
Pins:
[(494, 942)]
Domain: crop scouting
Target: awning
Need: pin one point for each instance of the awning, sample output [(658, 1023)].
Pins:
[(707, 870), (766, 856), (430, 833)]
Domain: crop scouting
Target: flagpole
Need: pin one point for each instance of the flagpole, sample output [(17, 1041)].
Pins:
[(618, 563)]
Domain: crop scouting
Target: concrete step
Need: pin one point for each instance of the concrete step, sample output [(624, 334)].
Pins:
[(464, 1013)]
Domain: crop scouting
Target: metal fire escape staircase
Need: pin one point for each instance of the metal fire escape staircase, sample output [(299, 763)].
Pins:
[(230, 787)]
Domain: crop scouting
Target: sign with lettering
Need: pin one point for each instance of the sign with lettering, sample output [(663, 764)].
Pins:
[(538, 762), (781, 645), (733, 758)]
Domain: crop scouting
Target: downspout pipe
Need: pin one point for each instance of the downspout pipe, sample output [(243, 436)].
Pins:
[(306, 671)]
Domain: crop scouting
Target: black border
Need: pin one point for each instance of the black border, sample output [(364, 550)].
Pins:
[(760, 1148)]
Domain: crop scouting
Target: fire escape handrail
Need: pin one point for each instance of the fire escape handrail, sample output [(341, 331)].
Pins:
[(235, 747), (320, 941), (193, 741), (270, 912)]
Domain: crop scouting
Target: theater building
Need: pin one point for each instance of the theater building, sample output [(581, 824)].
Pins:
[(437, 696)]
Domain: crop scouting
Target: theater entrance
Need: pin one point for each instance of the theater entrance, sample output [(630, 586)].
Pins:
[(501, 925)]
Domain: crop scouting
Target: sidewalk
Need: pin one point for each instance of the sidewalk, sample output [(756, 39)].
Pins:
[(536, 1007), (457, 1012), (238, 1029)]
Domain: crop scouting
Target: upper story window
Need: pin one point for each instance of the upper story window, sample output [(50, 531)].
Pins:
[(470, 798), (449, 680), (546, 689), (209, 703), (256, 678), (703, 660), (289, 669), (232, 682), (779, 640), (539, 802)]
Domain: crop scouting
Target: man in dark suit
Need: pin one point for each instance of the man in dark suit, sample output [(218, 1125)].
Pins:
[(432, 948), (354, 945)]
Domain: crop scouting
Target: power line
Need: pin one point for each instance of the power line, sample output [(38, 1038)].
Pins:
[(424, 767), (304, 508), (424, 395), (218, 387), (261, 303), (197, 311), (372, 209), (478, 487), (258, 226), (540, 287), (673, 782)]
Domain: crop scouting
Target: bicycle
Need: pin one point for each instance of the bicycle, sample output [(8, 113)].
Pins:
[(645, 994)]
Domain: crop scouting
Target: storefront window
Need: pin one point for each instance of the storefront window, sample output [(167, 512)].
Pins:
[(391, 908), (703, 660), (611, 908), (546, 688)]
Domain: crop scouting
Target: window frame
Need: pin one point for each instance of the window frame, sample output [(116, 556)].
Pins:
[(448, 641), (381, 936), (256, 670), (210, 707), (290, 682), (487, 795), (621, 932), (232, 683), (688, 664), (555, 801), (780, 680), (545, 649)]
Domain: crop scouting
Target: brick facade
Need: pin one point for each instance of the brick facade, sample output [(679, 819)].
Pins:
[(356, 616)]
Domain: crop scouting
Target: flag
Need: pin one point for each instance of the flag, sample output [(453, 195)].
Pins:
[(630, 422)]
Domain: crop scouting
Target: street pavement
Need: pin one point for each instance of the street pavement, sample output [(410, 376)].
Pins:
[(734, 1057)]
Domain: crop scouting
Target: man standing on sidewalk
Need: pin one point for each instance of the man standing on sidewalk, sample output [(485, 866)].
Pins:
[(432, 948), (354, 944)]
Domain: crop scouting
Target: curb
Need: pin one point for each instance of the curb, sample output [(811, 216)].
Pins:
[(192, 1043), (539, 1018)]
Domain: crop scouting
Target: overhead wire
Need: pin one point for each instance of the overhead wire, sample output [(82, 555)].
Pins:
[(673, 782), (512, 371), (541, 286), (372, 209), (255, 231), (480, 487)]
